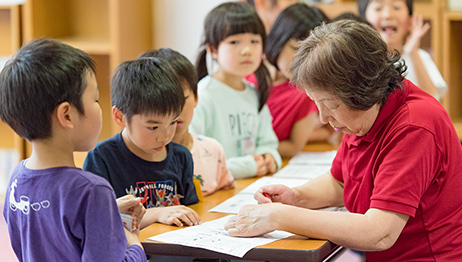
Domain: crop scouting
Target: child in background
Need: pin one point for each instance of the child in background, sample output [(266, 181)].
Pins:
[(208, 155), (230, 109), (295, 115), (55, 211), (141, 160), (403, 30), (351, 16), (268, 10)]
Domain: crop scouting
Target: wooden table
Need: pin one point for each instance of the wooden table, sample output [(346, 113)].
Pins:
[(295, 248)]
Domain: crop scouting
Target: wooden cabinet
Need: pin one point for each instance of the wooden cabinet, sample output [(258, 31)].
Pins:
[(452, 65), (111, 31), (9, 43)]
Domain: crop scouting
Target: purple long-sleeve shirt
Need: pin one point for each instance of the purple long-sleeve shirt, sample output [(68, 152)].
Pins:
[(65, 214)]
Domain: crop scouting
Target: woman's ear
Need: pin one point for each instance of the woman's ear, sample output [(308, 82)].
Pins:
[(64, 115), (212, 51), (118, 116)]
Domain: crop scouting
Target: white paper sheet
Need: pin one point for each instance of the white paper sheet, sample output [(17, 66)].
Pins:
[(314, 158), (212, 236), (233, 204), (271, 180), (302, 171)]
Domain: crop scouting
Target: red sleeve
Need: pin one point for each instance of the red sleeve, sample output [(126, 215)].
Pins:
[(336, 169)]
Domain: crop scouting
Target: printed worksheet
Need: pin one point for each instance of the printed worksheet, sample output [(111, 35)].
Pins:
[(211, 235), (233, 204)]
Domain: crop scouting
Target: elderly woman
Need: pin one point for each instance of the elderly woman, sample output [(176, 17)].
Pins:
[(398, 169)]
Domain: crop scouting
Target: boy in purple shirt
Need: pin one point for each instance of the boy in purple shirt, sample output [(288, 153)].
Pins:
[(55, 211)]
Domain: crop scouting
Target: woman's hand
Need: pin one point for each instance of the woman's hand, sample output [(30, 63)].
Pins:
[(253, 220), (275, 193)]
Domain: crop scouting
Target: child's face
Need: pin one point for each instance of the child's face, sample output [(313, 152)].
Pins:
[(147, 135), (89, 126), (239, 55), (286, 56), (186, 115), (391, 19)]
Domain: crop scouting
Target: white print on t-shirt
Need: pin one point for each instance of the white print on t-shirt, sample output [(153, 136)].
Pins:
[(242, 124), (24, 203)]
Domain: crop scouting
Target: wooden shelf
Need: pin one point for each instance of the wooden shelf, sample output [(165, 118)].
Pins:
[(10, 35), (91, 45), (111, 31), (452, 62), (9, 29)]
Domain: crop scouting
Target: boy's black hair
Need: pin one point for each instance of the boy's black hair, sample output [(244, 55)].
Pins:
[(183, 68), (294, 22), (229, 19), (41, 75), (362, 5), (146, 86)]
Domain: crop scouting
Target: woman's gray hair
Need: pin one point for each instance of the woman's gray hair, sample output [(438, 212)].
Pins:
[(349, 60)]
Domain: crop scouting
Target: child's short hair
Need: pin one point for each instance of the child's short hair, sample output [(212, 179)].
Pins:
[(181, 65), (294, 22), (146, 86), (41, 75), (362, 5)]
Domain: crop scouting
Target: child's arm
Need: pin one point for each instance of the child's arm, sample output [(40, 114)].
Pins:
[(101, 218), (172, 215), (242, 166), (266, 140), (411, 52), (299, 135)]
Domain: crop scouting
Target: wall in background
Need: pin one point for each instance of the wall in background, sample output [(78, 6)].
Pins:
[(178, 24)]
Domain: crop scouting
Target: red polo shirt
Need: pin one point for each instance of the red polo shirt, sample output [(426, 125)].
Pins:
[(410, 162)]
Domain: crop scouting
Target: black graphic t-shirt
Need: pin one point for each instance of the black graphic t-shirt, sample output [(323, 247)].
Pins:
[(165, 183)]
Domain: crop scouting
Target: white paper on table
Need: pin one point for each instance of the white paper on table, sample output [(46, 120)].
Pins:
[(271, 180), (211, 235), (314, 158), (302, 171), (233, 204)]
